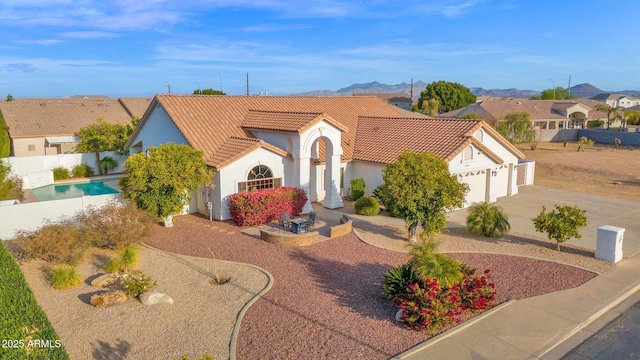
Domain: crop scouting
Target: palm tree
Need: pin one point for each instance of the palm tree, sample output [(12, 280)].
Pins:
[(487, 220), (426, 262), (613, 112), (631, 117)]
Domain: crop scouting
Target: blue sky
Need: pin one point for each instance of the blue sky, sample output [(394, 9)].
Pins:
[(61, 48)]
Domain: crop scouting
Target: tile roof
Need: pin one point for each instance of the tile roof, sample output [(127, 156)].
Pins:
[(495, 110), (135, 106), (381, 139), (59, 117), (286, 120), (389, 97), (236, 147), (208, 121)]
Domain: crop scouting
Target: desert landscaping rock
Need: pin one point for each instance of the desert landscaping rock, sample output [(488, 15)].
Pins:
[(154, 298), (109, 299), (105, 280)]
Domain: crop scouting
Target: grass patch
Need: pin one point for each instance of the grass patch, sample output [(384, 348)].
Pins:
[(21, 318), (65, 277)]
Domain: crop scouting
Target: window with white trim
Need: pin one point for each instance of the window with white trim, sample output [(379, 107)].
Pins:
[(260, 177)]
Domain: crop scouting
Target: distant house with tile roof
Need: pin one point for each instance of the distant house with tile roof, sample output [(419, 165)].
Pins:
[(400, 100), (550, 117), (49, 126), (319, 144), (617, 100)]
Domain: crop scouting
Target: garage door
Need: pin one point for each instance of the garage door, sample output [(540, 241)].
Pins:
[(477, 181)]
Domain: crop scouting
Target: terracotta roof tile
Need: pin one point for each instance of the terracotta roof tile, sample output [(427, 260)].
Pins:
[(51, 117), (381, 140), (286, 120), (135, 106), (208, 121), (495, 110), (236, 147)]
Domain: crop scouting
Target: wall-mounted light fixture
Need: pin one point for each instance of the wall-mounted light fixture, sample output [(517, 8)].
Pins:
[(494, 173)]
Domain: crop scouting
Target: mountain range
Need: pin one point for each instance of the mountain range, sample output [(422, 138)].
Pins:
[(582, 91)]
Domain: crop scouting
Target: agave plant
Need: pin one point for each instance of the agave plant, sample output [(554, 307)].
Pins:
[(396, 280), (487, 220)]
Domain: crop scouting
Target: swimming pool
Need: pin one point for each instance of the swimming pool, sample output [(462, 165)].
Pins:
[(67, 191)]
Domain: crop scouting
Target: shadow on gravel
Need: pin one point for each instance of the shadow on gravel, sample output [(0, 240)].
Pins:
[(102, 350), (355, 286)]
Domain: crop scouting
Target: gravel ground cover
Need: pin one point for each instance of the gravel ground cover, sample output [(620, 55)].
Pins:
[(325, 301), (200, 321)]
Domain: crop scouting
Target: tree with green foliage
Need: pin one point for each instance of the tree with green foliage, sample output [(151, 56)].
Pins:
[(613, 112), (162, 179), (9, 97), (102, 136), (561, 224), (419, 188), (517, 128), (431, 107), (5, 139), (450, 96), (487, 220), (208, 92), (558, 93), (10, 185), (631, 117), (471, 116)]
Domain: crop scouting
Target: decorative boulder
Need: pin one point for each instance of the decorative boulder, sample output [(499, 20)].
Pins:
[(153, 297), (108, 299), (105, 280), (399, 315)]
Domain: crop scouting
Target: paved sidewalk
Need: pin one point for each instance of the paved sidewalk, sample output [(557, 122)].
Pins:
[(539, 327)]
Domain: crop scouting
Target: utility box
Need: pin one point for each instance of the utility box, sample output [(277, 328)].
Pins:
[(609, 245)]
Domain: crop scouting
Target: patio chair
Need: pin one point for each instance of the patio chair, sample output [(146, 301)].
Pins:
[(285, 222), (311, 222)]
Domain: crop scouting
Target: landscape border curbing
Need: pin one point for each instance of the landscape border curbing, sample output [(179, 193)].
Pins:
[(233, 342)]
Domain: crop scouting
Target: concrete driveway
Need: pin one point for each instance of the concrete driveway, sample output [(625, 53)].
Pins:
[(601, 210)]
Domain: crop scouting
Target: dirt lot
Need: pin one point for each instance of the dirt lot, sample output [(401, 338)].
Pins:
[(597, 169)]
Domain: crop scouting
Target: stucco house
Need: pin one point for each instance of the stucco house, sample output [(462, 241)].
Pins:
[(319, 144), (49, 126), (550, 117), (617, 100)]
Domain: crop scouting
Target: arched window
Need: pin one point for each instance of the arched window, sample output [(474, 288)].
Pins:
[(259, 172), (260, 177)]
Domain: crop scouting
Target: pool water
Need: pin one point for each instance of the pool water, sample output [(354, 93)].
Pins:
[(67, 191)]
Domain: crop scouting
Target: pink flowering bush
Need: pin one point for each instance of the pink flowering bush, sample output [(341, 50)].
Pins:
[(258, 207), (428, 307)]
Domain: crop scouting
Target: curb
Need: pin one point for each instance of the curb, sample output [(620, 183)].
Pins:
[(554, 343), (436, 339)]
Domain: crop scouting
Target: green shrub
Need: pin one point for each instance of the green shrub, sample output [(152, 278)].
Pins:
[(426, 262), (487, 220), (82, 170), (61, 173), (396, 280), (65, 277), (594, 124), (57, 243), (115, 225), (10, 185), (368, 206), (107, 164), (21, 317), (127, 259), (137, 283), (357, 188)]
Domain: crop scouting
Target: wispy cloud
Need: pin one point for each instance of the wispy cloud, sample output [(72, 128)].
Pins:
[(89, 35), (274, 28), (45, 42), (23, 67)]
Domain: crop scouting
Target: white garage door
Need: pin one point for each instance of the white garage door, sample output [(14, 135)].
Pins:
[(477, 181)]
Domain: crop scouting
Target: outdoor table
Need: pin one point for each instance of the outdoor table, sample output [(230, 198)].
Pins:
[(298, 225)]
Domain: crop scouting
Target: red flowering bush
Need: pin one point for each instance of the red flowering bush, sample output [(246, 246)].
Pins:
[(262, 206), (430, 308)]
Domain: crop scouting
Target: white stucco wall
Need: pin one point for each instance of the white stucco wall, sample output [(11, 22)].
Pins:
[(158, 130), (227, 178), (371, 173)]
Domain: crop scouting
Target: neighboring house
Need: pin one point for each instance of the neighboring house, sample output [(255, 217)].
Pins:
[(617, 100), (319, 144), (400, 100), (49, 126), (548, 116)]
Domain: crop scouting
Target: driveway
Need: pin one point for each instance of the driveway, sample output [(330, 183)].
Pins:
[(601, 210)]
